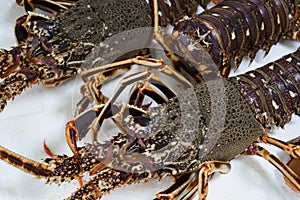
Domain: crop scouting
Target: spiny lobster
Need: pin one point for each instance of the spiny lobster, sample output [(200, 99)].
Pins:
[(228, 32), (51, 50), (126, 161)]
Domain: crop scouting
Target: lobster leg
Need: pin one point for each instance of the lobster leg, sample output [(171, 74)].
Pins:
[(205, 170), (117, 92), (181, 183), (158, 65), (77, 128), (293, 164), (192, 190), (140, 90), (293, 178), (91, 88), (295, 141), (52, 6), (293, 150)]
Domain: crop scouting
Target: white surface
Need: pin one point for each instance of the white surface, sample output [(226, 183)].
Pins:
[(41, 113)]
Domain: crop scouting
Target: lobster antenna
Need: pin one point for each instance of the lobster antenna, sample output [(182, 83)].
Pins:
[(155, 9), (25, 164)]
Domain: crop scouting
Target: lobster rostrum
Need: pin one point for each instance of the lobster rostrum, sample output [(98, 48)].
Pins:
[(190, 136)]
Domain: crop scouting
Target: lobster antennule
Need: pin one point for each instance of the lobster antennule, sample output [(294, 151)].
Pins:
[(27, 165)]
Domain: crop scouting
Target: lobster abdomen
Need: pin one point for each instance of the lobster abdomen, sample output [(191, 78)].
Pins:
[(234, 29), (273, 90)]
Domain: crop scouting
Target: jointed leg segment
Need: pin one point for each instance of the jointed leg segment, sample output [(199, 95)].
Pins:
[(254, 149)]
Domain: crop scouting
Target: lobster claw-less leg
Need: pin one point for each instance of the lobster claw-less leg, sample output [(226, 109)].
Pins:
[(292, 177), (291, 147), (77, 128), (148, 75), (52, 6), (184, 182), (205, 170), (95, 77), (138, 93), (294, 164), (90, 90)]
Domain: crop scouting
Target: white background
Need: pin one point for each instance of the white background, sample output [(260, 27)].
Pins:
[(41, 113)]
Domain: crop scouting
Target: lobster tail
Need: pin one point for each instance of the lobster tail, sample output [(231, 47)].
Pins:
[(234, 29), (273, 91), (174, 10)]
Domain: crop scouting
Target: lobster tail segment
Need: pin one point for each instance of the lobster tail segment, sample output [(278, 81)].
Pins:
[(273, 91), (174, 10), (234, 29)]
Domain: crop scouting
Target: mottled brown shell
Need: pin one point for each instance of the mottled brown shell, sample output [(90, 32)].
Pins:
[(93, 21), (234, 29), (231, 126), (209, 122)]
